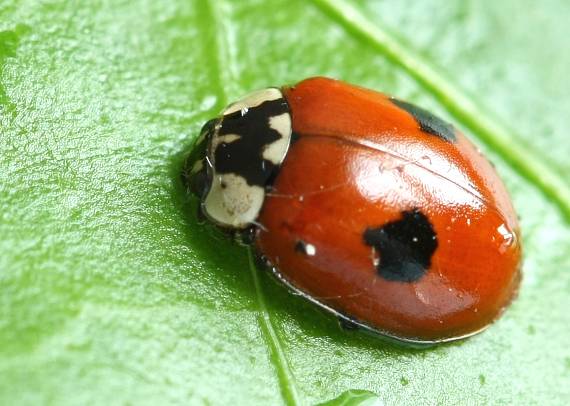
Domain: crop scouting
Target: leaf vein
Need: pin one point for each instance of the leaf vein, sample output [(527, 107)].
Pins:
[(225, 64), (487, 128), (287, 383)]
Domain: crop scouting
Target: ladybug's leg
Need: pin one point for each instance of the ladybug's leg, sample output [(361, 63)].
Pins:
[(347, 324), (247, 236), (200, 215)]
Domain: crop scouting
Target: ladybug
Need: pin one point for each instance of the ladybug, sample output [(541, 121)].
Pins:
[(371, 207)]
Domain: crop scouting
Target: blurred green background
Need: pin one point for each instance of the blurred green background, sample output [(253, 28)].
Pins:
[(111, 293)]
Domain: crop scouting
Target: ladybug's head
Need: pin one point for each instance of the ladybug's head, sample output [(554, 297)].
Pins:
[(198, 170), (236, 157)]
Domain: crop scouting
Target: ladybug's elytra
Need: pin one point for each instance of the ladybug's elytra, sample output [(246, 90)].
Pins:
[(371, 207)]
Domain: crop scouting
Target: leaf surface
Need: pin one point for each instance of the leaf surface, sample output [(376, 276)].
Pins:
[(111, 292)]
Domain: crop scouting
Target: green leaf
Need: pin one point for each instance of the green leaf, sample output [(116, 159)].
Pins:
[(355, 397), (111, 292)]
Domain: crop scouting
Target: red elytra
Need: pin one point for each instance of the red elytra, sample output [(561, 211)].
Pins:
[(371, 207), (360, 161)]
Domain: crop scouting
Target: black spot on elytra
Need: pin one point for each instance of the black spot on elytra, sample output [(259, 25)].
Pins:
[(427, 121), (244, 156), (301, 247), (405, 246)]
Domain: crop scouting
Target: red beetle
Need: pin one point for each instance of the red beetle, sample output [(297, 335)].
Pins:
[(371, 207)]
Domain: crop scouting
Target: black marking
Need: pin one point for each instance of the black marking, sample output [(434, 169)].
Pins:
[(209, 126), (405, 246), (200, 182), (427, 121), (270, 181), (294, 137), (303, 248), (244, 156)]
